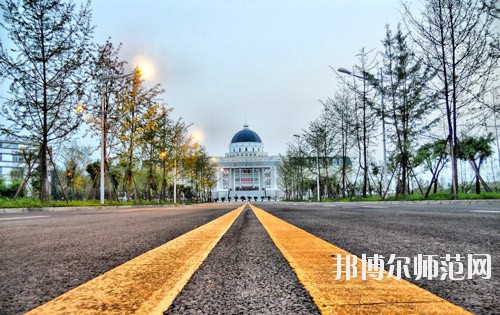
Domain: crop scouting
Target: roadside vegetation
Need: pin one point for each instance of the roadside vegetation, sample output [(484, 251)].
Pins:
[(35, 203), (412, 118), (428, 96), (64, 85), (419, 197)]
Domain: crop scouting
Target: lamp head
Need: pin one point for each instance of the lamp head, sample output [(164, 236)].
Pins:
[(344, 70)]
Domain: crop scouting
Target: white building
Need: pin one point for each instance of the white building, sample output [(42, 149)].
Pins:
[(10, 158), (246, 170)]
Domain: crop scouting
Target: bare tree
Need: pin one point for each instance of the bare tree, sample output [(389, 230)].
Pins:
[(339, 112), (46, 70), (460, 44), (108, 81), (298, 152), (364, 114), (327, 144)]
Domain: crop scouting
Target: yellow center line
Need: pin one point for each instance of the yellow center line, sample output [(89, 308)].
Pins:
[(147, 284), (311, 259)]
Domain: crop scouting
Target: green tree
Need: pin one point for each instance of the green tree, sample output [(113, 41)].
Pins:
[(150, 142), (407, 101), (476, 151), (203, 171), (286, 174), (434, 156), (10, 190), (46, 70), (180, 152), (75, 158), (298, 153), (93, 170), (165, 135), (134, 101)]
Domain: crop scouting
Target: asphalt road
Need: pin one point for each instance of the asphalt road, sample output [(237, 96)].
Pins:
[(244, 274), (409, 230), (44, 254)]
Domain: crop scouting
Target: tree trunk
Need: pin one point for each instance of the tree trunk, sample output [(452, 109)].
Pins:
[(454, 165), (45, 131), (435, 174), (430, 185), (444, 64), (365, 148), (478, 185), (479, 179)]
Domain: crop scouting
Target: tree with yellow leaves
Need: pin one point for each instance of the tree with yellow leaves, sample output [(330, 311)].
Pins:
[(134, 102), (155, 122)]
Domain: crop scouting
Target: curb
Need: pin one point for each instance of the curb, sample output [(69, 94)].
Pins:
[(61, 209), (425, 202), (402, 202), (84, 208), (366, 203)]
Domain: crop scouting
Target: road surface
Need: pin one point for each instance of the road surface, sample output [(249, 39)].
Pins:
[(45, 254)]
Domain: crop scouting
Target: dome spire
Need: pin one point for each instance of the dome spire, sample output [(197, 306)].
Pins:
[(246, 135)]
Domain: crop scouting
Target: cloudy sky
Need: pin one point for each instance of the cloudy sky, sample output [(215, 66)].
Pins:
[(265, 62)]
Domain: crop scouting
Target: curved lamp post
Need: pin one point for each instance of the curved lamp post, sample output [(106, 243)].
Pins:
[(381, 81)]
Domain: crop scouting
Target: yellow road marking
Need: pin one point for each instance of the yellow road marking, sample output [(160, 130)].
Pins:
[(147, 284), (311, 259)]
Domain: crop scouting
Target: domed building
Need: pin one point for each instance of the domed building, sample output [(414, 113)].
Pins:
[(246, 170)]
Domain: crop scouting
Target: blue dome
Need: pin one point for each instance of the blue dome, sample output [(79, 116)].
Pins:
[(246, 135)]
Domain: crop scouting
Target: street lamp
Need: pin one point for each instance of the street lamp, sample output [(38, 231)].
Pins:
[(384, 148), (196, 138), (345, 71), (163, 156), (175, 179), (80, 108)]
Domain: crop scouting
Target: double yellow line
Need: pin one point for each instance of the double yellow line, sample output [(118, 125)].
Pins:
[(311, 259), (149, 283)]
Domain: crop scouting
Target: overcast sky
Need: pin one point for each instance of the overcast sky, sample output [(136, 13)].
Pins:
[(264, 62), (224, 63)]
